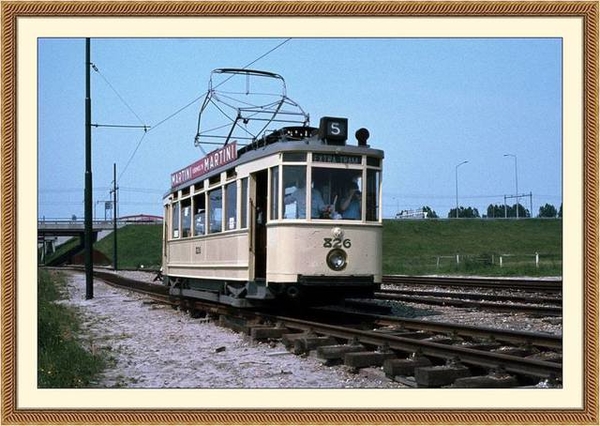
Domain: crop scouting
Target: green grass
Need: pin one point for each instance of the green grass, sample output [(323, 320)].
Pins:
[(413, 246), (62, 249), (62, 362), (136, 245)]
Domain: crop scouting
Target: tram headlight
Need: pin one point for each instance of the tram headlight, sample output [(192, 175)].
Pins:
[(337, 259)]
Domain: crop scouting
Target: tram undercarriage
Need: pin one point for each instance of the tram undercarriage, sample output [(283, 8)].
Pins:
[(310, 291)]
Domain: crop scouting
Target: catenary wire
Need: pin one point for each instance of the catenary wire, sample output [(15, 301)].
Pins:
[(95, 68), (150, 128)]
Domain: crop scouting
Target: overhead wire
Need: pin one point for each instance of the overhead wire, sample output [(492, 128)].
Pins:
[(95, 68), (131, 157), (170, 116), (221, 83)]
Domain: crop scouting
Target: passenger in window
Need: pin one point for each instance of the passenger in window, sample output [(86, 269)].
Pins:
[(299, 197), (350, 205), (199, 222)]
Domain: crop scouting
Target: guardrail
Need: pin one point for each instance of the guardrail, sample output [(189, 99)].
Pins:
[(497, 259), (97, 224)]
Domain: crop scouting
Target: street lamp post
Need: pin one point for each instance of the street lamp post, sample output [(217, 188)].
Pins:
[(516, 181), (456, 178)]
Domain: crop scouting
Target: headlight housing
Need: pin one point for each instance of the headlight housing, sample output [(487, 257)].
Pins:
[(337, 259)]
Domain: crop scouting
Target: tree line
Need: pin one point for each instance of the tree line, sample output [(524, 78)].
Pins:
[(497, 211)]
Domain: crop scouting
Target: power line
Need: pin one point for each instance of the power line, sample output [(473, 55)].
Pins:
[(142, 190), (150, 128), (177, 112), (131, 157), (64, 190), (204, 94), (270, 51), (95, 68)]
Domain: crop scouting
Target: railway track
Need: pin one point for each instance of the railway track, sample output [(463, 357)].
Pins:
[(544, 306), (447, 358), (540, 297), (416, 353), (536, 285)]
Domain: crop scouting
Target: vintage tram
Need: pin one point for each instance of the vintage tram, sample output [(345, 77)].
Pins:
[(293, 216)]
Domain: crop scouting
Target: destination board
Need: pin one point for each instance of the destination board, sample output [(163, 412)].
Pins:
[(337, 158)]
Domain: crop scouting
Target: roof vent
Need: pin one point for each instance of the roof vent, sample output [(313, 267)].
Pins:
[(362, 135)]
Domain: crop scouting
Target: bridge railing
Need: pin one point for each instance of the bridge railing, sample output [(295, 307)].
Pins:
[(80, 224)]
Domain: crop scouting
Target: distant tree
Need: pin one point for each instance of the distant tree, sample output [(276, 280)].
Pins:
[(431, 214), (547, 210), (494, 211), (523, 212), (511, 211), (463, 212), (560, 211)]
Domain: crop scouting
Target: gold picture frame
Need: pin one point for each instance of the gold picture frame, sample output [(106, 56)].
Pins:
[(587, 11)]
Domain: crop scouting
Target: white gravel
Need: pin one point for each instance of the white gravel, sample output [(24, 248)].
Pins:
[(155, 346)]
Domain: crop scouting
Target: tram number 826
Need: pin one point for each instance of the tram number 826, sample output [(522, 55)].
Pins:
[(336, 243)]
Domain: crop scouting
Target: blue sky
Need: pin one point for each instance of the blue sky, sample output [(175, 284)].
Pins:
[(429, 103)]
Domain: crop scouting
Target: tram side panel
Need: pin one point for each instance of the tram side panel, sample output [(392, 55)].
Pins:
[(223, 257)]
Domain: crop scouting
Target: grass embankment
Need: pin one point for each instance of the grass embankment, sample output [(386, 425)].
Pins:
[(62, 362), (137, 245), (412, 247), (415, 247)]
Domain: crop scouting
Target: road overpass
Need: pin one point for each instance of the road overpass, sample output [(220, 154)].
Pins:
[(71, 228), (50, 230)]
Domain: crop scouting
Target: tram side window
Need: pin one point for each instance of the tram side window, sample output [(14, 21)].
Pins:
[(200, 215), (175, 219), (215, 206), (337, 193), (373, 181), (274, 193), (231, 205), (186, 218), (294, 192), (244, 205)]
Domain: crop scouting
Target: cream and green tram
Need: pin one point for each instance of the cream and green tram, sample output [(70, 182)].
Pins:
[(294, 216)]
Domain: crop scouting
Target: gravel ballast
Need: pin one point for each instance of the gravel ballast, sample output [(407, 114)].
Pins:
[(154, 346)]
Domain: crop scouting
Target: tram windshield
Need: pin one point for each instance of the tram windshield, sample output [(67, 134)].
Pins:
[(333, 193)]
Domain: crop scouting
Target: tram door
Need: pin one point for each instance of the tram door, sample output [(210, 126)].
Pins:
[(258, 204)]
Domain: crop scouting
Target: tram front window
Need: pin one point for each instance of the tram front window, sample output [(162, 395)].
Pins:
[(334, 193), (340, 191)]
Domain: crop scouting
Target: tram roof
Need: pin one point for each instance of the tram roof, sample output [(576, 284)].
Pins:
[(283, 140)]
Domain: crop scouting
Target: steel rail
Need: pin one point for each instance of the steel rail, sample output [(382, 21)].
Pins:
[(475, 296), (544, 340), (537, 309), (490, 360), (553, 285)]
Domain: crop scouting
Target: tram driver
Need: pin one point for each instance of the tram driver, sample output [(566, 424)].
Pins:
[(318, 206), (350, 205)]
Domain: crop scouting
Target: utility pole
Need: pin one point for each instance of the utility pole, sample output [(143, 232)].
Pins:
[(89, 261), (456, 178), (114, 192), (516, 181)]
